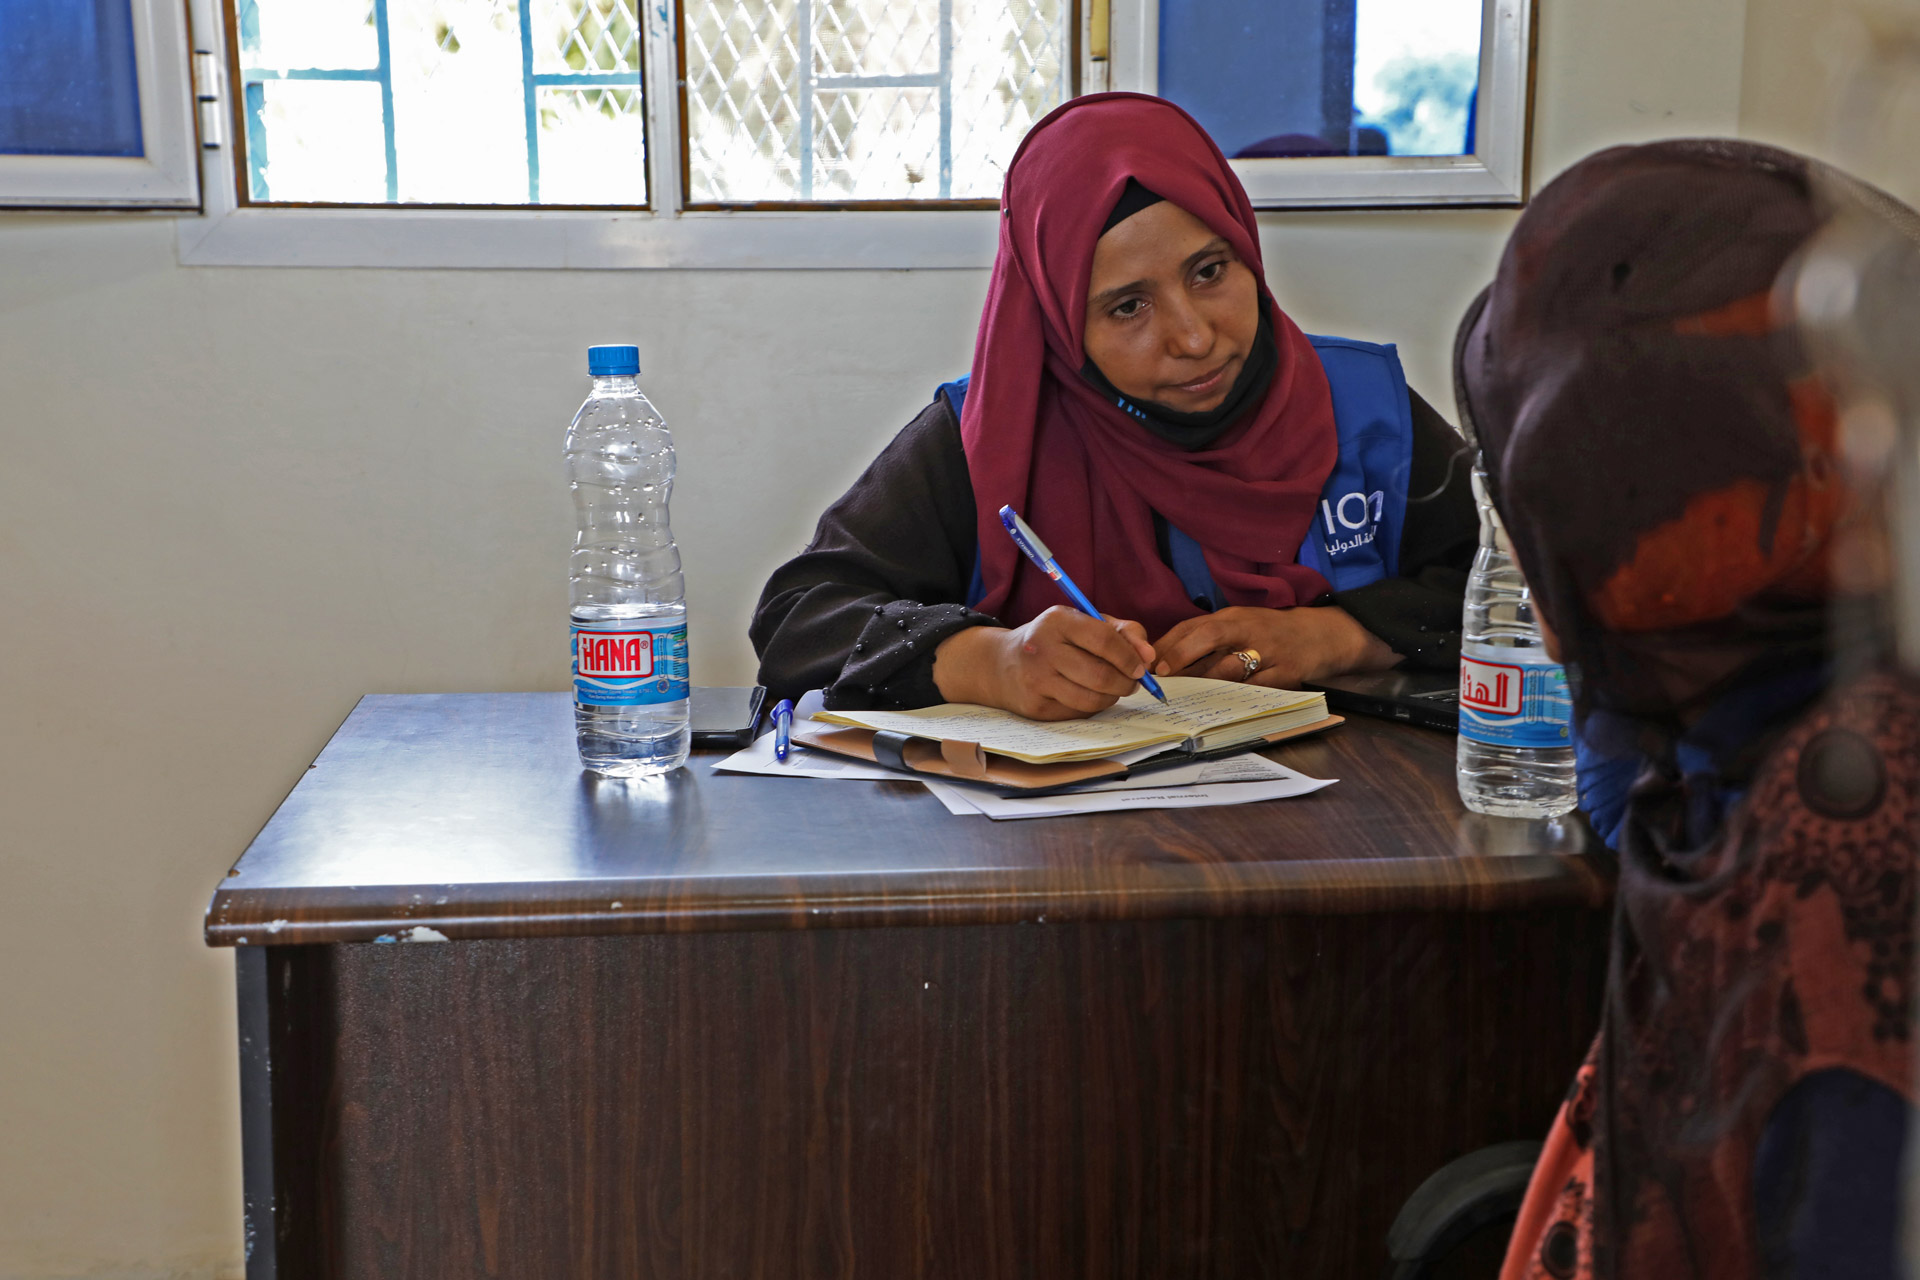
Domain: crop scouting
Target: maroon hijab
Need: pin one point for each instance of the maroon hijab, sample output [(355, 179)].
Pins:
[(1087, 477)]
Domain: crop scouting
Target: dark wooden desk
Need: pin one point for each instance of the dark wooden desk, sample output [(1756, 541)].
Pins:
[(717, 1026)]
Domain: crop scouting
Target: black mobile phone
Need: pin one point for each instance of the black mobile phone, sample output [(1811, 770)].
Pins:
[(726, 717), (1428, 699)]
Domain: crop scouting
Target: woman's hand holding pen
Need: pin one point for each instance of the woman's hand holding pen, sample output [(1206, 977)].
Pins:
[(1295, 646), (1063, 665)]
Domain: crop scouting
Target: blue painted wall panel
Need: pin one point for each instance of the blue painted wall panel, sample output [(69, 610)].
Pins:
[(67, 80), (1251, 69)]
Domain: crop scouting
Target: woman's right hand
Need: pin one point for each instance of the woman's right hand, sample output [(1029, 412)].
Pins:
[(1061, 666)]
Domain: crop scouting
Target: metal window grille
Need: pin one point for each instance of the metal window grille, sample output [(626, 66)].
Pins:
[(575, 56), (798, 101)]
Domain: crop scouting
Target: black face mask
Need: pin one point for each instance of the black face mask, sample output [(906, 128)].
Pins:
[(1191, 431)]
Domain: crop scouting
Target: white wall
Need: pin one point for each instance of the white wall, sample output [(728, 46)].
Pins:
[(233, 500)]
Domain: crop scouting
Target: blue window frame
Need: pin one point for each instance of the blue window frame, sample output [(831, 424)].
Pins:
[(255, 75)]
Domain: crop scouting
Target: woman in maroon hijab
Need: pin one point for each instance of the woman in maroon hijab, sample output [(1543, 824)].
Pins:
[(1243, 501)]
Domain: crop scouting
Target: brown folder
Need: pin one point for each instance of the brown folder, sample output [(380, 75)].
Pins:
[(966, 762)]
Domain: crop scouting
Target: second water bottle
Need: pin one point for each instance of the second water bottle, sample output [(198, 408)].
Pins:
[(1515, 757)]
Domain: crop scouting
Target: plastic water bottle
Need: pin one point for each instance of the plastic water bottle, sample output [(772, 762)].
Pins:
[(1515, 757), (629, 600)]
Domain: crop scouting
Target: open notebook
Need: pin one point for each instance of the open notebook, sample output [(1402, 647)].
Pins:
[(1201, 718)]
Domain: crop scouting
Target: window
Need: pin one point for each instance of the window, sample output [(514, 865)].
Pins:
[(94, 105), (675, 133), (1343, 102), (1297, 78), (796, 101), (454, 102), (544, 102)]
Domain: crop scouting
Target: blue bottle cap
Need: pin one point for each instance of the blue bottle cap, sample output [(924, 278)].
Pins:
[(613, 362)]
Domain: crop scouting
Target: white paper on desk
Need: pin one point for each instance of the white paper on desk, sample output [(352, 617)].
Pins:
[(1244, 779), (958, 800), (1245, 767), (802, 763)]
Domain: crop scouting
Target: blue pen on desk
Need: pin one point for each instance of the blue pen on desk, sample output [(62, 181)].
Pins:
[(1029, 542), (782, 729)]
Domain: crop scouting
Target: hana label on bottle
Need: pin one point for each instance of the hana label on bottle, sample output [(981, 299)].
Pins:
[(621, 665), (1510, 702)]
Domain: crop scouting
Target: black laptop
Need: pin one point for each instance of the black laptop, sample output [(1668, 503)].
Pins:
[(1427, 698)]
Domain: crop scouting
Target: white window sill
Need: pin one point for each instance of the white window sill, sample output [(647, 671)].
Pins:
[(588, 240), (1382, 182), (574, 239)]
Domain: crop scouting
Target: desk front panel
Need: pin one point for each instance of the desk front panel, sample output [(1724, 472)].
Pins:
[(1232, 1097)]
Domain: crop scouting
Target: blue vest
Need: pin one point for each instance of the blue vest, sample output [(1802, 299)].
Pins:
[(1355, 537)]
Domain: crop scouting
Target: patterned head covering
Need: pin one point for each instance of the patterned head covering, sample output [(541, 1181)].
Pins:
[(1656, 440)]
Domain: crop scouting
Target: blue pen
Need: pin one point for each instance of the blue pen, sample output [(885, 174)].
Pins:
[(782, 729), (1029, 542)]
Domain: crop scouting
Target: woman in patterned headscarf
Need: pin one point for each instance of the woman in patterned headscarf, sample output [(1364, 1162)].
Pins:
[(1666, 462)]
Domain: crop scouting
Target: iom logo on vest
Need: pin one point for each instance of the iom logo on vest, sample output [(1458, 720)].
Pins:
[(1491, 688), (1351, 520)]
